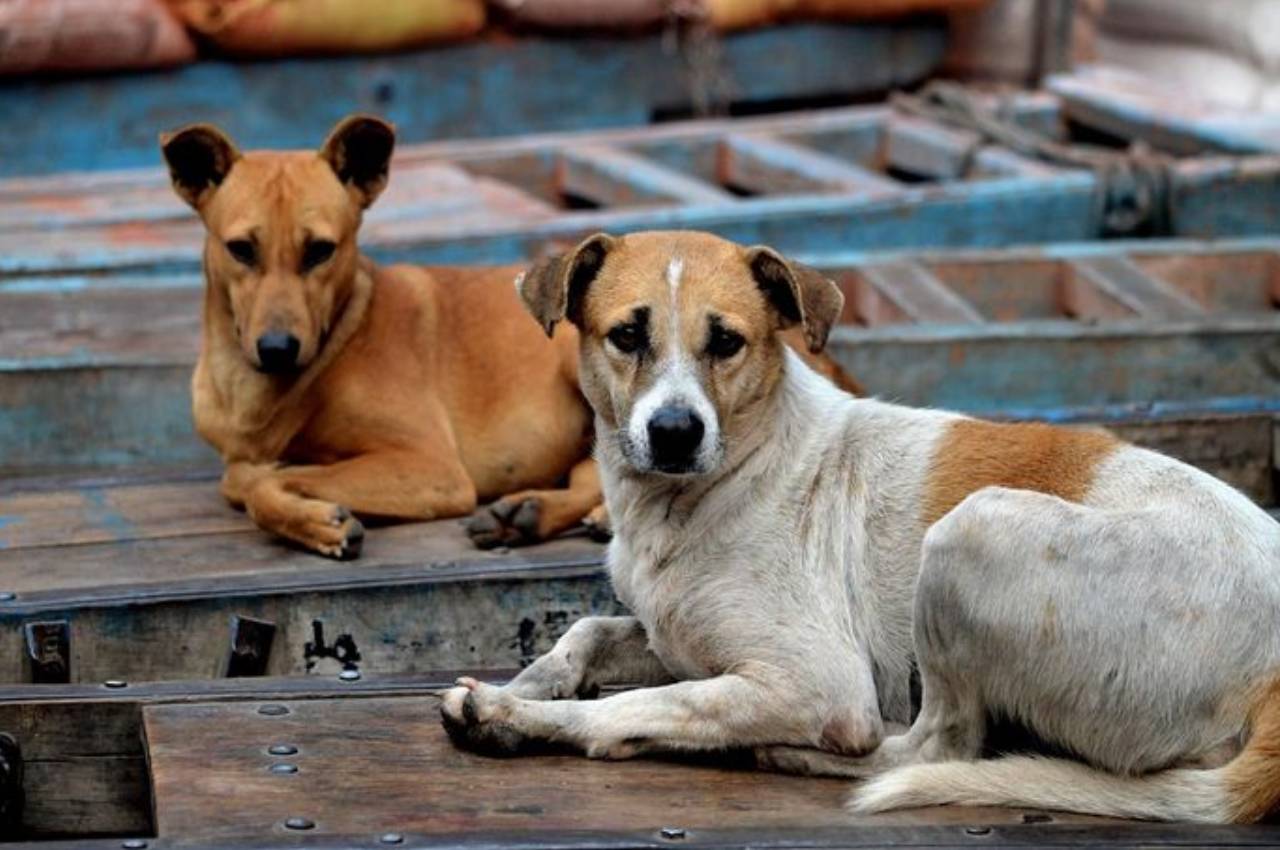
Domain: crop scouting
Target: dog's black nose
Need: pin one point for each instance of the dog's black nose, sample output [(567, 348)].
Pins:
[(675, 433), (278, 351)]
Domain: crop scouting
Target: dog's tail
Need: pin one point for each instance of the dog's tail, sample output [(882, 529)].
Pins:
[(1244, 790)]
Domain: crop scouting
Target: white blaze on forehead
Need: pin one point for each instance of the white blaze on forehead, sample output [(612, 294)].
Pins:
[(675, 268), (677, 381)]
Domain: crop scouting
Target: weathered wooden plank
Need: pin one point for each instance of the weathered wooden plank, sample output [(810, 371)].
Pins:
[(1135, 106), (1123, 282), (1039, 367), (485, 87), (764, 165), (85, 768), (421, 598), (385, 765), (614, 178), (919, 295)]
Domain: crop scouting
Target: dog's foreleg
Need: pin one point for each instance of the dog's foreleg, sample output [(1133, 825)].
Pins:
[(314, 505), (533, 515), (596, 652), (743, 709)]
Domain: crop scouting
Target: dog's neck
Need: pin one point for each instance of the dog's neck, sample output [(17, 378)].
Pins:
[(787, 416), (250, 403)]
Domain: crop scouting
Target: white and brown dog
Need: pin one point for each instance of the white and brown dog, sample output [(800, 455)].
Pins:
[(790, 552)]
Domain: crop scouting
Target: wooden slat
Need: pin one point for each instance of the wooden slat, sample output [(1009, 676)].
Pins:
[(765, 165), (1137, 106), (931, 150), (920, 295), (385, 765), (614, 178), (1122, 281)]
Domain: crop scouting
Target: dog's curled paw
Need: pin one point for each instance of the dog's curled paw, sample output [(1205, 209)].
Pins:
[(507, 522), (477, 717), (341, 537)]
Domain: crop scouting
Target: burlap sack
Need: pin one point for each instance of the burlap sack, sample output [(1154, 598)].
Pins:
[(81, 35), (285, 27)]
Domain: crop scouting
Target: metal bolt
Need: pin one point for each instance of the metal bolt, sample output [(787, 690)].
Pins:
[(133, 844), (391, 838), (282, 749), (115, 684), (299, 823), (672, 833), (273, 709), (6, 596), (349, 675), (977, 830), (284, 768)]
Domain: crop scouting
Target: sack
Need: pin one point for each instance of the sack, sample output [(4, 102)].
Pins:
[(738, 14), (285, 27), (81, 35), (585, 14)]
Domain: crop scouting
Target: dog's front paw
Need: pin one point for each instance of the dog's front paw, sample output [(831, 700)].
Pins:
[(597, 524), (344, 536), (510, 521), (478, 717)]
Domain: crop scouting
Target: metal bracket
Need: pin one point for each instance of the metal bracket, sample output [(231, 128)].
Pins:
[(250, 647), (11, 793), (49, 651)]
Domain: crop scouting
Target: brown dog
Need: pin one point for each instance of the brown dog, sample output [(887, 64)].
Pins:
[(333, 387)]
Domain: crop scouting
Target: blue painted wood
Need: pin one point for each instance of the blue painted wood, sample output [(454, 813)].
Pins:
[(490, 87), (108, 386)]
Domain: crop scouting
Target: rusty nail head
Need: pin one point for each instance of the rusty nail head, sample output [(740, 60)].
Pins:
[(349, 675), (299, 823), (284, 768), (273, 709), (133, 844), (977, 830), (391, 838), (115, 684), (672, 833), (282, 750)]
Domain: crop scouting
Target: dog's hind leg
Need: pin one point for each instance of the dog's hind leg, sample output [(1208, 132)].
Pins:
[(533, 515), (596, 652)]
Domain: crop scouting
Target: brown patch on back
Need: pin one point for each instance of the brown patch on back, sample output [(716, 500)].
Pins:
[(1252, 780), (973, 454)]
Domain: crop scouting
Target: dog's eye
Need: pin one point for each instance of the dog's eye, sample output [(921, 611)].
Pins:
[(627, 338), (317, 252), (724, 343), (243, 251)]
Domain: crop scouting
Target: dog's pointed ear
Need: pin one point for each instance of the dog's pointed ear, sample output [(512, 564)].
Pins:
[(358, 150), (800, 294), (552, 289), (199, 158)]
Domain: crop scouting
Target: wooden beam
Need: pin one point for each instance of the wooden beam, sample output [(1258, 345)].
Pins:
[(766, 165), (614, 178), (918, 294), (1122, 281)]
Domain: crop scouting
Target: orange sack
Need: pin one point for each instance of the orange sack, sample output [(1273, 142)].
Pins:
[(739, 14), (286, 27), (84, 35)]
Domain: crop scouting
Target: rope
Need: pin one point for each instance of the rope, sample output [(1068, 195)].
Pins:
[(1134, 185)]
